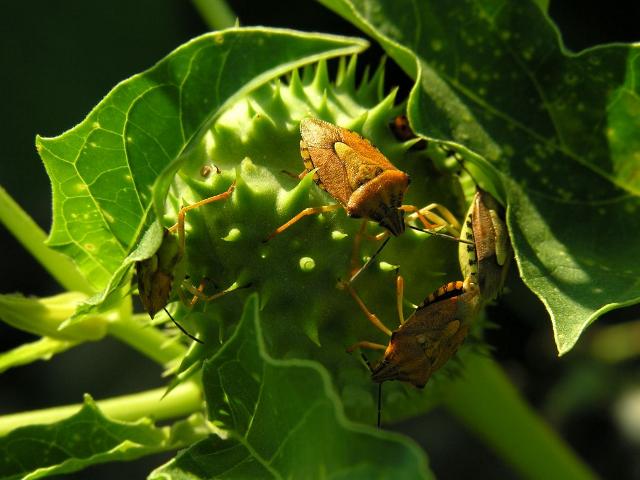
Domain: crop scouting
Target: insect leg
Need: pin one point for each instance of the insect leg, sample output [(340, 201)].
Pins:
[(434, 220), (304, 213), (366, 344), (372, 346), (444, 211), (371, 316), (181, 214), (400, 297), (198, 293)]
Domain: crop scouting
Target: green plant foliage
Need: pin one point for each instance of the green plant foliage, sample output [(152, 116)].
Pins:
[(251, 143), (281, 394), (86, 438), (102, 170), (559, 126), (283, 419)]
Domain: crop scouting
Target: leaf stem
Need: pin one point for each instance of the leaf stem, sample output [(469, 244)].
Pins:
[(31, 236), (183, 400), (140, 335), (487, 403), (216, 13)]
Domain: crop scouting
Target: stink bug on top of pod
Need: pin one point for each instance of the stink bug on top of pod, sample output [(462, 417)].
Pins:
[(354, 172), (163, 274), (363, 181)]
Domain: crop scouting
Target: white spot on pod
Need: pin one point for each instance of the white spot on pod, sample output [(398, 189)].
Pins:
[(307, 264), (388, 267), (233, 235)]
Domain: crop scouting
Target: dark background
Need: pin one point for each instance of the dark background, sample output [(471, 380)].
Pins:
[(60, 57)]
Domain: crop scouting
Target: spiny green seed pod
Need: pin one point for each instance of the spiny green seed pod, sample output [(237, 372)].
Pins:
[(296, 273)]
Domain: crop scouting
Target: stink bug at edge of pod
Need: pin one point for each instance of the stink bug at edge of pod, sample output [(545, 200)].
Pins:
[(162, 276), (488, 261)]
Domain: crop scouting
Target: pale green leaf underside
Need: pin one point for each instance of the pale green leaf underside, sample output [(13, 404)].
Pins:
[(102, 171), (285, 421), (564, 128)]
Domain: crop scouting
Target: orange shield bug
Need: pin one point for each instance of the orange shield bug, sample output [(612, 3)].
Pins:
[(156, 274), (428, 338), (431, 336), (363, 181), (163, 274)]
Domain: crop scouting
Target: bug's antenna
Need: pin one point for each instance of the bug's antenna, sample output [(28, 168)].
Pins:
[(181, 327), (450, 152), (366, 360), (379, 403), (363, 267), (441, 235)]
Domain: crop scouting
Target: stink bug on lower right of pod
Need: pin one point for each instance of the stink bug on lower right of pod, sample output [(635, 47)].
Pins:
[(423, 343), (433, 333)]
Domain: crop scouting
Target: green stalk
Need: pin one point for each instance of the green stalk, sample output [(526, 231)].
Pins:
[(31, 236), (152, 343), (487, 403), (216, 13), (183, 400)]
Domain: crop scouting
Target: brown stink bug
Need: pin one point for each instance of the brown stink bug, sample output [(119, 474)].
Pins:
[(423, 343), (487, 262), (162, 275), (363, 181), (402, 131), (431, 336)]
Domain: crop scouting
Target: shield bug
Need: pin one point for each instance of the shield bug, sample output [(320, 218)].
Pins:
[(487, 262), (402, 131), (428, 338), (363, 181), (163, 274)]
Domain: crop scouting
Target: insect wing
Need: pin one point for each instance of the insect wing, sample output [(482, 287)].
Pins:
[(344, 160), (316, 148)]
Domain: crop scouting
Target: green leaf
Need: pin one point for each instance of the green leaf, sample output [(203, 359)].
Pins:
[(562, 127), (86, 438), (102, 171), (284, 420), (112, 294), (42, 349)]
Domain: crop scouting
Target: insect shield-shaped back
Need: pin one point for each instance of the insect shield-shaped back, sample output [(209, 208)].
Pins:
[(430, 337), (354, 172), (157, 273), (487, 263)]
